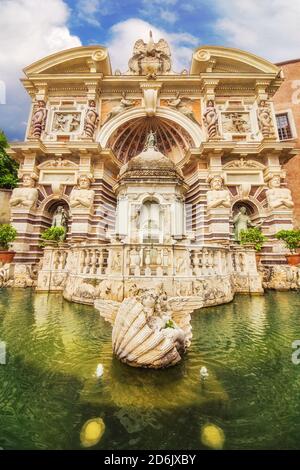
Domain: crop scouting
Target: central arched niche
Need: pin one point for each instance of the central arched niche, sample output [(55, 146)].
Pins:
[(128, 140)]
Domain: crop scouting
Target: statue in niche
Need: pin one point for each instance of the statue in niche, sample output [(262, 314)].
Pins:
[(278, 197), (91, 119), (241, 222), (217, 196), (38, 122), (82, 197), (124, 104), (151, 141), (60, 219), (180, 104), (265, 119), (210, 119), (150, 59), (27, 195)]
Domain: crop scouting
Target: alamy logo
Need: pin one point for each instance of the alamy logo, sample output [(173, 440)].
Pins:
[(296, 354), (2, 92), (2, 353)]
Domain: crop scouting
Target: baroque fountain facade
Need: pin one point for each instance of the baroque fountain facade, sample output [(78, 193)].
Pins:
[(153, 173)]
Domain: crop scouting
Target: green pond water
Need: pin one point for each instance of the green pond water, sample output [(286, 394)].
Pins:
[(48, 389)]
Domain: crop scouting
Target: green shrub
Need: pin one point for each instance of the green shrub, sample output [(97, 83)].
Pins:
[(7, 235), (8, 166), (54, 234), (170, 324), (253, 236), (291, 238)]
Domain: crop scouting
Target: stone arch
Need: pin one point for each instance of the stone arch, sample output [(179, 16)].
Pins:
[(256, 210), (194, 130)]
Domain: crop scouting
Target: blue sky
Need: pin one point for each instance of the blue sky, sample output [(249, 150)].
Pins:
[(31, 29)]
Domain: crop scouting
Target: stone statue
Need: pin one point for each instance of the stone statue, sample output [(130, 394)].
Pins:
[(151, 141), (124, 103), (265, 119), (25, 196), (217, 196), (60, 218), (278, 197), (179, 104), (151, 58), (241, 222), (39, 116), (210, 119), (82, 197), (91, 119)]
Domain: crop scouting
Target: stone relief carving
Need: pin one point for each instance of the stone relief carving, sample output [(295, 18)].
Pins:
[(180, 104), (278, 197), (27, 195), (39, 117), (265, 120), (150, 59), (236, 123), (122, 106), (82, 197), (210, 118), (244, 163), (217, 196), (66, 122), (91, 119)]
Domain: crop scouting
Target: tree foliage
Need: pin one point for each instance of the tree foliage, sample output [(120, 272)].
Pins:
[(8, 166)]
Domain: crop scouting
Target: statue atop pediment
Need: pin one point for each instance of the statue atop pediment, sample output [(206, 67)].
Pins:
[(152, 58)]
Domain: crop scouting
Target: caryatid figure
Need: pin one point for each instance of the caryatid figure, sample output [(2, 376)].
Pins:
[(38, 121), (277, 196), (91, 119), (210, 118), (217, 196), (27, 195), (82, 196), (241, 223)]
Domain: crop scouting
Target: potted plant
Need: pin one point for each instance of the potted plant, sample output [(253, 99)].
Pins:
[(291, 238), (254, 237), (7, 235), (53, 236)]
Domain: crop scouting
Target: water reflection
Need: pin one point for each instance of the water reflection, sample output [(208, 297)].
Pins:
[(54, 348)]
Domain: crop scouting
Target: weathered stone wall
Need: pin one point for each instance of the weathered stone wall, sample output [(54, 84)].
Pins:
[(4, 206), (287, 99)]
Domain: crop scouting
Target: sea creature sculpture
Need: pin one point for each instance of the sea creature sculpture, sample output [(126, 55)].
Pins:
[(147, 332)]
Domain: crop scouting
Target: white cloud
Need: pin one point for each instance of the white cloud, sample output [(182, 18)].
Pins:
[(269, 28), (168, 16), (29, 30), (125, 33)]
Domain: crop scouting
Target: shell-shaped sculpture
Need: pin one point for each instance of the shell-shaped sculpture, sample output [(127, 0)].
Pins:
[(144, 336)]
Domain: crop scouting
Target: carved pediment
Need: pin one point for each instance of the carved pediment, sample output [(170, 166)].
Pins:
[(58, 163), (244, 163)]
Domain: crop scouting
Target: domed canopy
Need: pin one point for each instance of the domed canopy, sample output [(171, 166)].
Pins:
[(150, 164)]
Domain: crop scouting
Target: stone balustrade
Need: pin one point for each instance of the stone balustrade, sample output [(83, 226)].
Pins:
[(147, 260)]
